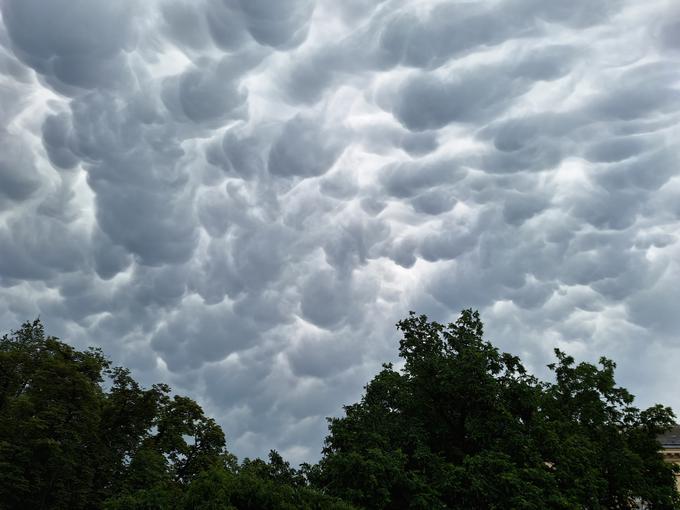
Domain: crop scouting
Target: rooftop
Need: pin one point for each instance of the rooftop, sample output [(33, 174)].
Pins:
[(671, 439)]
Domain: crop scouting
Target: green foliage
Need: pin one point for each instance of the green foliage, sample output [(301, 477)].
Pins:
[(464, 426), (50, 415), (70, 441), (256, 486), (605, 448)]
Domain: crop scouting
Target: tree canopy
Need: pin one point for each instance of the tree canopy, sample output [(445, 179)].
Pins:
[(460, 426), (463, 425), (78, 433)]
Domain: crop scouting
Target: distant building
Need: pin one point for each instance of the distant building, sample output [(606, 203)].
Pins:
[(670, 442), (670, 449)]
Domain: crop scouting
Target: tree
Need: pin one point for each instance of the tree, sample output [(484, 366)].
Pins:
[(69, 441), (606, 450), (50, 413), (257, 485), (463, 425)]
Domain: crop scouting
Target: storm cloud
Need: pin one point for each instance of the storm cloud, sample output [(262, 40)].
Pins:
[(241, 197)]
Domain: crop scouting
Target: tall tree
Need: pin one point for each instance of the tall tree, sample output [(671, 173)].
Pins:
[(50, 415), (69, 441), (463, 425)]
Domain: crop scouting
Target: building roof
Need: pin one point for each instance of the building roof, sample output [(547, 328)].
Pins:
[(671, 439)]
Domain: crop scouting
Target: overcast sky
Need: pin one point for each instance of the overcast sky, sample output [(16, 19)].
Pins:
[(242, 197)]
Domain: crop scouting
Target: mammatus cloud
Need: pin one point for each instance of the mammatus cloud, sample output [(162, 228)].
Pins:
[(242, 197)]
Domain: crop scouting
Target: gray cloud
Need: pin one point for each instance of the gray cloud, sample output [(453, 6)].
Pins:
[(281, 24), (410, 178), (18, 176), (40, 247), (669, 34), (208, 95), (241, 198), (304, 149), (431, 101), (71, 45)]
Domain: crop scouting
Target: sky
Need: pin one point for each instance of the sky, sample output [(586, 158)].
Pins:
[(242, 197)]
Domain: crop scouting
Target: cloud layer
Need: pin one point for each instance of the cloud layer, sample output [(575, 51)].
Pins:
[(241, 197)]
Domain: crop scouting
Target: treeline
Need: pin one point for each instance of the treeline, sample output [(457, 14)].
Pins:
[(462, 425)]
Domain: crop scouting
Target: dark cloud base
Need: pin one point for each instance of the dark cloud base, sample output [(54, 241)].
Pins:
[(243, 196)]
